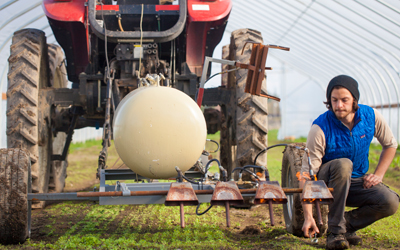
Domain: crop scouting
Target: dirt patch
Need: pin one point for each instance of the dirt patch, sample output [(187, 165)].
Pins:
[(30, 113), (251, 230)]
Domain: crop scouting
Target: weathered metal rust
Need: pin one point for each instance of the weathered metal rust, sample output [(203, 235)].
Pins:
[(226, 194), (271, 213), (228, 220), (226, 191), (319, 218), (182, 214), (165, 192), (270, 190), (181, 193), (256, 68), (316, 191)]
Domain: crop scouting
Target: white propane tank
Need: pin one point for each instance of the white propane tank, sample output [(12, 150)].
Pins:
[(157, 128)]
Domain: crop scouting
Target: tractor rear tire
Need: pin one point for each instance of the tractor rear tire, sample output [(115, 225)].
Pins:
[(293, 210), (28, 114), (58, 79), (244, 125), (14, 176)]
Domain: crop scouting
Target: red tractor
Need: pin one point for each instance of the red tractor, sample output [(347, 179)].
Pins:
[(110, 47)]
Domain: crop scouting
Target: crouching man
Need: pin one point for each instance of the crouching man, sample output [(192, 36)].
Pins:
[(339, 141)]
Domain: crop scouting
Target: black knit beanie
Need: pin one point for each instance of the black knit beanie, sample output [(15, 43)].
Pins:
[(346, 82)]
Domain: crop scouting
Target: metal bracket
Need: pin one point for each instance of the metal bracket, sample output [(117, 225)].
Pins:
[(256, 69), (125, 190)]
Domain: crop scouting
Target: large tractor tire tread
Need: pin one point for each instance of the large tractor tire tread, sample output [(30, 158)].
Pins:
[(252, 121), (14, 176), (27, 74), (293, 210)]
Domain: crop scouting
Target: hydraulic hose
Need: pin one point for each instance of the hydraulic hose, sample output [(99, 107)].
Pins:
[(197, 209), (265, 149), (254, 167), (208, 164), (248, 171), (191, 181), (215, 143)]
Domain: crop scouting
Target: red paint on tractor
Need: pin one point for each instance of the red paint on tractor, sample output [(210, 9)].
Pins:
[(167, 7), (204, 16), (205, 11), (73, 11), (107, 7)]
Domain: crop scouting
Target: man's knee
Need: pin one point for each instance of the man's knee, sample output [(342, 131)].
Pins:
[(343, 167), (389, 204)]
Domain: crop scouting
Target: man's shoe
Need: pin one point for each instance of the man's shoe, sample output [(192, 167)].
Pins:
[(353, 238), (336, 241)]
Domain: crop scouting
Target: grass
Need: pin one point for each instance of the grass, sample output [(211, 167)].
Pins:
[(87, 225)]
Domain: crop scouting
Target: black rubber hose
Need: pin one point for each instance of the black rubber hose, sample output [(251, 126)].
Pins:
[(191, 181), (266, 175), (252, 173), (253, 166), (209, 162), (215, 143), (236, 169), (197, 209), (265, 149), (248, 171)]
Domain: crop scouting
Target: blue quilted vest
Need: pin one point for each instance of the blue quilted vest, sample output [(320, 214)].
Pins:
[(343, 143)]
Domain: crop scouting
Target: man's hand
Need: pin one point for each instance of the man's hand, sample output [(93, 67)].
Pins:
[(371, 180), (309, 227)]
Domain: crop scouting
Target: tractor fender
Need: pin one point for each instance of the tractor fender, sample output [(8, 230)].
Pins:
[(205, 27), (70, 11), (208, 11)]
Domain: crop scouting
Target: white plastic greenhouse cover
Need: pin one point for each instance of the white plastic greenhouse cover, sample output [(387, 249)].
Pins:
[(359, 38)]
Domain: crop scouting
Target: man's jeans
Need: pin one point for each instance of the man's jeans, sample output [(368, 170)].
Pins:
[(372, 204)]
